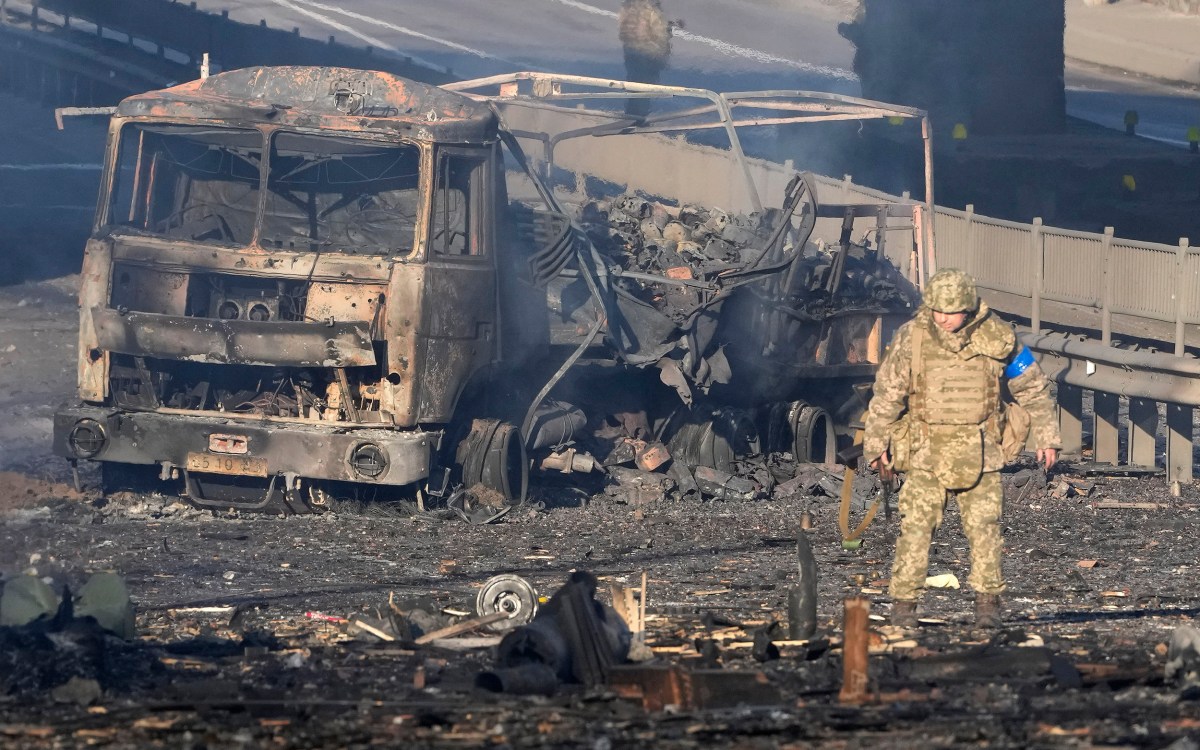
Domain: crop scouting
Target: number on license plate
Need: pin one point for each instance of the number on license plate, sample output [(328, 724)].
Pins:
[(240, 465)]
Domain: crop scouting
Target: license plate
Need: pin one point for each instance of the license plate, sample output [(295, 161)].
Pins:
[(241, 465)]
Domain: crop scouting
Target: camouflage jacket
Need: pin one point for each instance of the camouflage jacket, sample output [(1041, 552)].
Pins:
[(643, 28), (958, 453)]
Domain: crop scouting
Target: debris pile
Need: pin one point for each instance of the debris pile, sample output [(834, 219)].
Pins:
[(574, 638), (690, 242), (677, 243)]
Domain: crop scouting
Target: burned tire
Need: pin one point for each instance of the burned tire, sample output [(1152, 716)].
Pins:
[(493, 455), (717, 442), (804, 429), (814, 439)]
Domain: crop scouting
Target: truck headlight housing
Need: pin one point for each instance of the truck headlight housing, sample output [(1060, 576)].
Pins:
[(86, 438), (368, 460)]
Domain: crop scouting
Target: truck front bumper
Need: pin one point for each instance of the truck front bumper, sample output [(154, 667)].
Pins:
[(240, 446)]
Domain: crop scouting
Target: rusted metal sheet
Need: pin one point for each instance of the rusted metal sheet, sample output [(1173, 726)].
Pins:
[(149, 290), (93, 292), (234, 341), (344, 302), (316, 267), (660, 686), (333, 98)]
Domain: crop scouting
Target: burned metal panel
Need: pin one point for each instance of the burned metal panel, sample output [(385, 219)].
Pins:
[(93, 294), (149, 290), (344, 301), (851, 339), (459, 317), (315, 97), (233, 341), (660, 686), (457, 333), (405, 369), (310, 266)]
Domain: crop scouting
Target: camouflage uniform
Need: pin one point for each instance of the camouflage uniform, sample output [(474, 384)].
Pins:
[(955, 423)]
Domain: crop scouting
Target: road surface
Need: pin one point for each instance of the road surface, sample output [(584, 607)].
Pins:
[(724, 45)]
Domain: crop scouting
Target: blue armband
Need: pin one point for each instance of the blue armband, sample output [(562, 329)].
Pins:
[(1020, 363)]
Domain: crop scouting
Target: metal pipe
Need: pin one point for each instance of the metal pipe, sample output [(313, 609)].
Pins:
[(1120, 358), (1096, 367), (1181, 287), (1037, 251), (1106, 299), (537, 400), (930, 207)]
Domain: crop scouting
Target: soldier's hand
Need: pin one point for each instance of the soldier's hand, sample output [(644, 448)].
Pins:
[(1047, 457), (884, 464)]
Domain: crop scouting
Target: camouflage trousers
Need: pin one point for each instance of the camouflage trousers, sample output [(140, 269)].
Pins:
[(922, 500)]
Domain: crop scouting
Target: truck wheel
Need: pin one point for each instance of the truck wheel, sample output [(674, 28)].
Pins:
[(717, 442), (814, 440), (493, 455)]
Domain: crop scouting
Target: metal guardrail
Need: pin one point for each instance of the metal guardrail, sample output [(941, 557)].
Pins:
[(1078, 279)]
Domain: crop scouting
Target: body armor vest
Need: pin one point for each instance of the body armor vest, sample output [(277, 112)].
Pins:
[(952, 388)]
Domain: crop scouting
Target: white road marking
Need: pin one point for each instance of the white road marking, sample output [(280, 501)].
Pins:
[(727, 48), (387, 25), (37, 167), (44, 207), (337, 25)]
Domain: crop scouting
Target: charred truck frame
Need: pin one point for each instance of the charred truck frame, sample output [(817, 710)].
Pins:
[(306, 279)]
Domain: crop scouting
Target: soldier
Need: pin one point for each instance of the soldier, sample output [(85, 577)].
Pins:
[(944, 367), (645, 35)]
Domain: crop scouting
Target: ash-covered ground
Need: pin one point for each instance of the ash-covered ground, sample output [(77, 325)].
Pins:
[(225, 655)]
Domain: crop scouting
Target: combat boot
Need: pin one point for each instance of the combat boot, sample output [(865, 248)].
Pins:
[(904, 614), (987, 611)]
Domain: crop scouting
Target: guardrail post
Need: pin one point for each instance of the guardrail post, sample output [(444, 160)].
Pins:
[(1037, 253), (1179, 417), (1070, 418), (1143, 430), (1107, 288), (1107, 407), (1179, 445)]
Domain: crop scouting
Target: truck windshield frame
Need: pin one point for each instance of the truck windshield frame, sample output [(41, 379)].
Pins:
[(325, 192), (187, 182)]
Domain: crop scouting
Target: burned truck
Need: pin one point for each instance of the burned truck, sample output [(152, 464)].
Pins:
[(305, 282)]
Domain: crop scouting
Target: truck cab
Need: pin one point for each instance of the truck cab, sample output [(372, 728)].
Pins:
[(290, 280)]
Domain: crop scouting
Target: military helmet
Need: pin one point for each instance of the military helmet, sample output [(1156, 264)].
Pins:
[(951, 291)]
